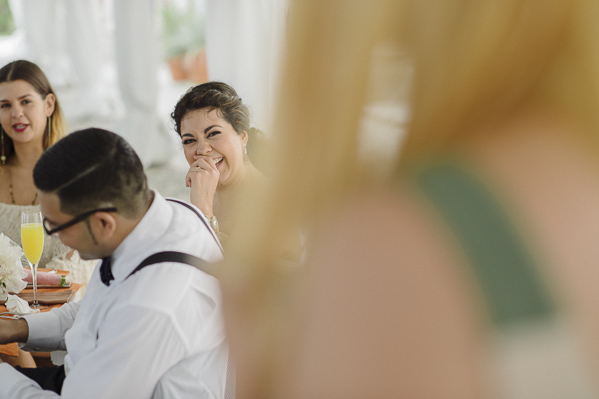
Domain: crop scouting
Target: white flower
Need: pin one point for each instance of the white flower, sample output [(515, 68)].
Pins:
[(11, 268), (17, 305)]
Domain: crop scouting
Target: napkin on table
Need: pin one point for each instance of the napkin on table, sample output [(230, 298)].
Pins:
[(15, 304)]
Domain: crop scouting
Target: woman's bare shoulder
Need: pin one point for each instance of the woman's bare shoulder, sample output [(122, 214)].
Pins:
[(387, 291)]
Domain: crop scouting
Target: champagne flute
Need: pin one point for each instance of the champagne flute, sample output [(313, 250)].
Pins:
[(32, 239)]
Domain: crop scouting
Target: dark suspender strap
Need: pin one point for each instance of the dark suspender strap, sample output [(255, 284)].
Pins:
[(185, 204), (173, 256)]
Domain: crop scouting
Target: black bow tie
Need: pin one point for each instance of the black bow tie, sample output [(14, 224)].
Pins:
[(106, 271)]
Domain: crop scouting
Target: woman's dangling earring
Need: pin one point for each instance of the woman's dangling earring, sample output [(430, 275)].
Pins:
[(2, 157), (245, 149), (49, 127)]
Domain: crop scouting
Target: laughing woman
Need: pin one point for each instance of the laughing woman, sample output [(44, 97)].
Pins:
[(214, 126)]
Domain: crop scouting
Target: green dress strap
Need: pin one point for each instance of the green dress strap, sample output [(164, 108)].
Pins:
[(513, 289)]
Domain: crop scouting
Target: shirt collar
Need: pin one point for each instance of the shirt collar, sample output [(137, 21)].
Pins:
[(139, 242)]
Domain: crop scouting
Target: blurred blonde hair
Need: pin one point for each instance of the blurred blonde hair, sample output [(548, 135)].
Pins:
[(478, 62), (322, 91), (475, 62)]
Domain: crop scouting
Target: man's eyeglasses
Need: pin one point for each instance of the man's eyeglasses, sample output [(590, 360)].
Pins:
[(48, 227)]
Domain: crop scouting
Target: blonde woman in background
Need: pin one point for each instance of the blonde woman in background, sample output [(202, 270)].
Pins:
[(31, 120), (470, 272)]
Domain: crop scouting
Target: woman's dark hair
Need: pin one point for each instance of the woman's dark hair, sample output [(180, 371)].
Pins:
[(224, 99), (32, 74)]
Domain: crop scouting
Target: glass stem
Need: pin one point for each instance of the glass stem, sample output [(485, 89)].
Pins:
[(34, 274)]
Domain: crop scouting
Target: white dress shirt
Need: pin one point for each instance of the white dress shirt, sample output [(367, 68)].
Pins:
[(122, 338)]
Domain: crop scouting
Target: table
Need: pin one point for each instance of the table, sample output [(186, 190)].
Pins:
[(43, 357)]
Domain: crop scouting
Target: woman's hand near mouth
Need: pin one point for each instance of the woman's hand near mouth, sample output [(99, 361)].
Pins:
[(202, 178)]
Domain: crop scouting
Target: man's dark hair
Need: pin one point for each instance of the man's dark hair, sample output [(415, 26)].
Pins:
[(93, 168)]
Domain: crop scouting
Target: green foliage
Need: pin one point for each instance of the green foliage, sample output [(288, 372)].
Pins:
[(182, 29), (7, 25)]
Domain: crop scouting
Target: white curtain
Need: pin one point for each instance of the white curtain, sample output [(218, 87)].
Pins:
[(243, 46)]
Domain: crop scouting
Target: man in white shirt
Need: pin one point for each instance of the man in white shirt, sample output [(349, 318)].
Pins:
[(129, 329)]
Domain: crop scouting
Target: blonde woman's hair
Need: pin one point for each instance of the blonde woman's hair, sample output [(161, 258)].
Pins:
[(475, 62), (480, 62), (32, 74)]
